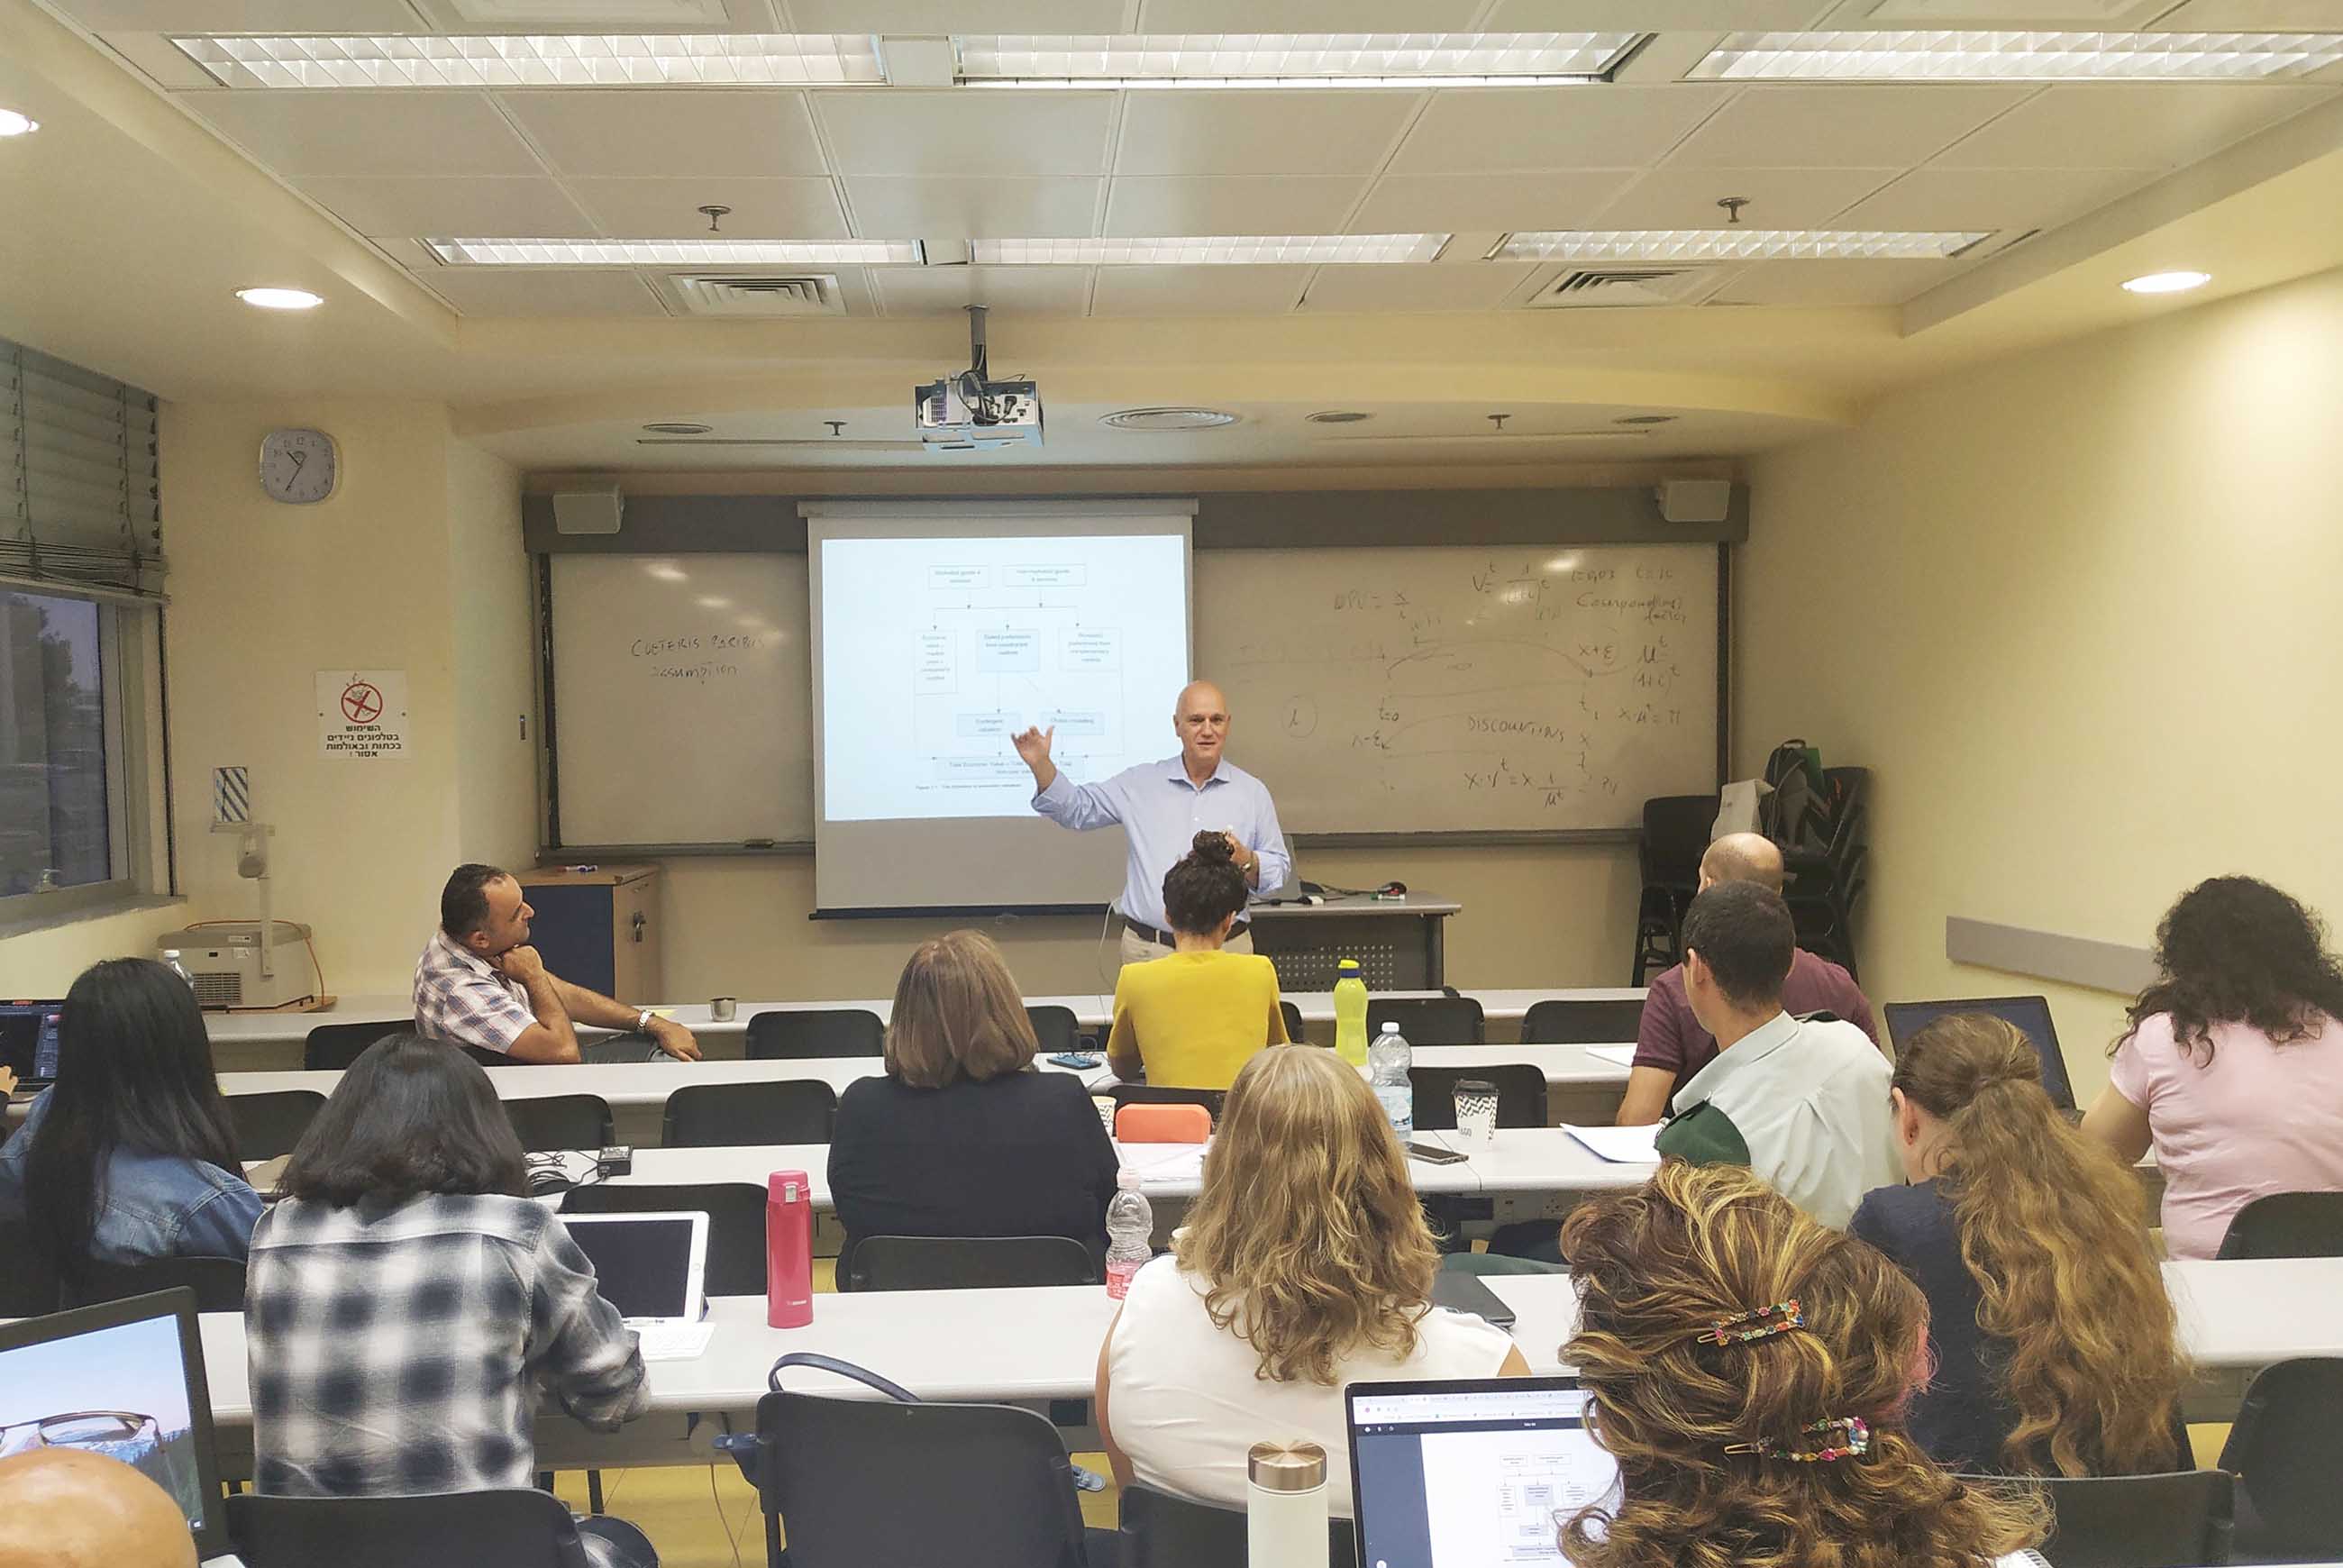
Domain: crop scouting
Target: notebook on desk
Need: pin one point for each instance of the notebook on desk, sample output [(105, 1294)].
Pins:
[(652, 1268)]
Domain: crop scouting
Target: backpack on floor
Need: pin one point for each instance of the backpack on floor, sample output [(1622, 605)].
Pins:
[(1797, 814)]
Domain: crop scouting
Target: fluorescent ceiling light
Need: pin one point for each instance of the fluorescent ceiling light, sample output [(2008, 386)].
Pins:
[(1290, 59), (1732, 244), (2000, 56), (1310, 249), (585, 60), (12, 124), (281, 298), (676, 252), (2168, 282)]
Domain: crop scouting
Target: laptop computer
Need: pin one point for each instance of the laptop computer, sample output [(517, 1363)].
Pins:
[(123, 1379), (1486, 1468), (28, 1042), (1462, 1292), (653, 1268), (2031, 1014)]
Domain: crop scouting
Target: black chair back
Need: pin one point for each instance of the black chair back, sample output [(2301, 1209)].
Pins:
[(562, 1121), (2287, 1225), (1057, 1028), (818, 1031), (1521, 1094), (1292, 1016), (1676, 831), (1160, 1531), (267, 1125), (2177, 1520), (1125, 1095), (730, 1115), (218, 1283), (992, 1486), (28, 1287), (2287, 1450), (332, 1046), (1428, 1020), (1561, 1021), (736, 1224), (512, 1527), (964, 1262)]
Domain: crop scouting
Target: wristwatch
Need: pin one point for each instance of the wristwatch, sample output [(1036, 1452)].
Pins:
[(643, 1021)]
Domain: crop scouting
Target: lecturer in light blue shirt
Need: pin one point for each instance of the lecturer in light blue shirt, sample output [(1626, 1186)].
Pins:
[(1161, 807)]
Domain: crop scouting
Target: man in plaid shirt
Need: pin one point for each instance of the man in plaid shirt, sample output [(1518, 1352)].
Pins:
[(480, 983)]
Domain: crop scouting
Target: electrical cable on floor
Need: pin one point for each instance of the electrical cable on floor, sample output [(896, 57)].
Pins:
[(718, 1498)]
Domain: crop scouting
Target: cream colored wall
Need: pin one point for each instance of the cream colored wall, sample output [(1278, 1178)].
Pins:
[(495, 666), (2077, 611), (42, 963)]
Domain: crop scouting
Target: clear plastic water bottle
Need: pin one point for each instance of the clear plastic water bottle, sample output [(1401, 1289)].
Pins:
[(1351, 1013), (1387, 1063), (171, 961), (1129, 1234)]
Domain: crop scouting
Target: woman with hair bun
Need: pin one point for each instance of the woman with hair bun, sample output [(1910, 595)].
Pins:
[(1749, 1367), (2055, 1349), (1193, 1017)]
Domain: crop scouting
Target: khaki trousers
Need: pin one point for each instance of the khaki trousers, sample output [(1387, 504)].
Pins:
[(1137, 949)]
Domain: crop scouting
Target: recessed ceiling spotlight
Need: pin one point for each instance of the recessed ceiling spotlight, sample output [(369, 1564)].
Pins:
[(1339, 417), (1167, 420), (1645, 419), (281, 298), (12, 124), (678, 428), (2168, 282)]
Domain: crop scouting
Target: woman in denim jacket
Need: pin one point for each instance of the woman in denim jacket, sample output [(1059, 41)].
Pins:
[(131, 1154)]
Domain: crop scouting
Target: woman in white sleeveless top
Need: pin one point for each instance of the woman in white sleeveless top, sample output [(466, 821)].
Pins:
[(1304, 1266)]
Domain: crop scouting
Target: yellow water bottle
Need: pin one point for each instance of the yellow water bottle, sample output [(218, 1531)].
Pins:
[(1351, 1013)]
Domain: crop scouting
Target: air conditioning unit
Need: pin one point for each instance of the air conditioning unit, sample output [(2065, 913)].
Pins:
[(1582, 288), (225, 960)]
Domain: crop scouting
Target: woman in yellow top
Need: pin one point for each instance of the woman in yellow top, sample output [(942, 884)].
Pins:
[(1195, 1015)]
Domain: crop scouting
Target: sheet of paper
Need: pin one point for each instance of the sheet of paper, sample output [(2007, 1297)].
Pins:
[(1163, 1162), (1620, 1145), (1625, 1055)]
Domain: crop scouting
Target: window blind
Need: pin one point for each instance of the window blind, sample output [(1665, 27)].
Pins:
[(80, 487)]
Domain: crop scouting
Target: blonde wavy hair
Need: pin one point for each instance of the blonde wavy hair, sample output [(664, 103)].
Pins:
[(1309, 1235), (1656, 1266), (2053, 1229)]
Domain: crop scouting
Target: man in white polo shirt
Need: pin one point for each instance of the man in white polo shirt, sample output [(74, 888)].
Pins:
[(480, 983), (1802, 1104)]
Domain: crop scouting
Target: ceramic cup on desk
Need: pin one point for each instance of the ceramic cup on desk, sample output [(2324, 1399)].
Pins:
[(724, 1008), (1476, 1114)]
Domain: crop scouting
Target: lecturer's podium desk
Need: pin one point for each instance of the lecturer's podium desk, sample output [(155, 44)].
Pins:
[(1029, 1345)]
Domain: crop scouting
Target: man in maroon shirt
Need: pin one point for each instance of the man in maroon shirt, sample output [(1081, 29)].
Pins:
[(1670, 1044)]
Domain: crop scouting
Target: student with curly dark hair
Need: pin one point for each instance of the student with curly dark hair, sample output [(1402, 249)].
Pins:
[(1193, 1017), (2233, 1064), (1749, 1369)]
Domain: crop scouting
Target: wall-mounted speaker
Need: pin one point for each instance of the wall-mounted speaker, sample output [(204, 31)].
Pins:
[(1695, 500), (587, 511)]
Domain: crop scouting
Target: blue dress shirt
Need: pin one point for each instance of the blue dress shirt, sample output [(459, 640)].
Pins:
[(1161, 812)]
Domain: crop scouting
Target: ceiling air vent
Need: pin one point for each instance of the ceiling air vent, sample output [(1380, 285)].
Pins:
[(1589, 287), (1168, 421), (738, 294)]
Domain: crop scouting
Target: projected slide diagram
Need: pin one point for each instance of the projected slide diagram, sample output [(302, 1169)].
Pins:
[(936, 652), (1492, 1496)]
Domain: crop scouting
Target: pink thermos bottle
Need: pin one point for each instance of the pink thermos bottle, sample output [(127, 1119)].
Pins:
[(788, 1249)]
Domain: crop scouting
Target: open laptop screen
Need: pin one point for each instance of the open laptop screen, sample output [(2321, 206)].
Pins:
[(1471, 1474), (642, 1262), (2029, 1014), (124, 1379), (28, 1039)]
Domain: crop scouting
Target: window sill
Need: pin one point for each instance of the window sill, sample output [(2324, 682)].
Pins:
[(18, 924)]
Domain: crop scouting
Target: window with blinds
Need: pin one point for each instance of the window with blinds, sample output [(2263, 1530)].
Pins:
[(80, 492)]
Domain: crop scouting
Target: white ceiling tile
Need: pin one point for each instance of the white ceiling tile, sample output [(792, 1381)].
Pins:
[(407, 209), (894, 131), (921, 17), (1674, 197), (640, 131), (601, 15), (1198, 290), (973, 209), (424, 132), (667, 208), (2130, 125), (2009, 200), (1481, 130), (1012, 290), (479, 291), (1654, 16), (1151, 205), (2253, 16), (241, 15), (1401, 290), (1843, 125), (1826, 283), (1448, 203), (1252, 132), (1306, 15)]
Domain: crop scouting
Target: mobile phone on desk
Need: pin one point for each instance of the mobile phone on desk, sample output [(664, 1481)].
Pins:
[(1433, 1154), (1075, 1060)]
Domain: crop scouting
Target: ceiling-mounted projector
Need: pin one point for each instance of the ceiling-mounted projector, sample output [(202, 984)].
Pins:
[(970, 411)]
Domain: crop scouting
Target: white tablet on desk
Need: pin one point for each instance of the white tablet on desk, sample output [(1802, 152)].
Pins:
[(652, 1268)]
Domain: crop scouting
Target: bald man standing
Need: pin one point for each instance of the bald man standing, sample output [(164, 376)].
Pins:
[(65, 1508), (1670, 1043), (1161, 807)]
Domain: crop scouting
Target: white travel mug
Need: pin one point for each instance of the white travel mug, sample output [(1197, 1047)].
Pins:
[(1286, 1505)]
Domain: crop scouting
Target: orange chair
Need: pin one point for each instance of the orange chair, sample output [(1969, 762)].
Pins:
[(1163, 1124)]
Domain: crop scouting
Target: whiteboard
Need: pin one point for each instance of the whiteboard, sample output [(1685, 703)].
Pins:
[(682, 699), (1462, 690)]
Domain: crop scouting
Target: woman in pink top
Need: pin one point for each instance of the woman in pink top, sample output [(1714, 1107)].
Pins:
[(2233, 1066)]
